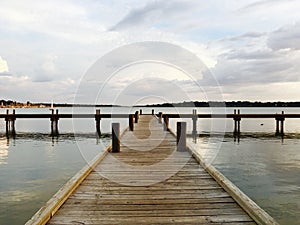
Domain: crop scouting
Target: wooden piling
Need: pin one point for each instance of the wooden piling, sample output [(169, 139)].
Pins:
[(13, 119), (282, 124), (141, 112), (195, 117), (181, 136), (98, 119), (152, 112), (115, 137), (7, 122), (166, 123), (54, 123), (277, 126), (160, 117), (131, 126), (237, 122), (136, 117)]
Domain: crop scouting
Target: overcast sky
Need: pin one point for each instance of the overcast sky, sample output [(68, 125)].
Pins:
[(251, 48)]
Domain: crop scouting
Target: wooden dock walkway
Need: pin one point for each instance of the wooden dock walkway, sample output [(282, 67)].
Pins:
[(149, 182)]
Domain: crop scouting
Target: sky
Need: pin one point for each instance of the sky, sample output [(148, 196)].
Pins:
[(249, 50)]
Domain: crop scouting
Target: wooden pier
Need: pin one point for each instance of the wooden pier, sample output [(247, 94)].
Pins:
[(54, 117), (149, 176)]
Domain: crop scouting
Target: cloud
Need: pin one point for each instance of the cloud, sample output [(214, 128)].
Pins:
[(47, 71), (262, 5), (3, 66), (287, 37), (154, 11), (258, 58), (64, 20), (51, 44)]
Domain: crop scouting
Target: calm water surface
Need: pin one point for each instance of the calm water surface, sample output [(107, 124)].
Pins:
[(34, 165)]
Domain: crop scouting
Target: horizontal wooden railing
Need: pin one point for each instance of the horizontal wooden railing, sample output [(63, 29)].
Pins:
[(54, 117), (232, 116)]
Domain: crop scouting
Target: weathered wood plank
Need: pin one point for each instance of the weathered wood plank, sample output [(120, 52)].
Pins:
[(151, 220)]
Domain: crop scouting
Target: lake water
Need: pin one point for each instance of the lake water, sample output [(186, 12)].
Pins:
[(33, 166)]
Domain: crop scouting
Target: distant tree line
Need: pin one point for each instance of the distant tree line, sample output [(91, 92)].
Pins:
[(10, 103), (228, 104)]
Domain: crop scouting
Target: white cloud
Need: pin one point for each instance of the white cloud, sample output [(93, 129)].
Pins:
[(3, 66), (153, 12), (53, 42)]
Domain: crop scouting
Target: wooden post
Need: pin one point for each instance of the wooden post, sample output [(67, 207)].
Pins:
[(235, 126), (239, 123), (98, 118), (131, 126), (7, 122), (52, 121), (166, 124), (282, 124), (115, 137), (277, 125), (56, 123), (152, 111), (136, 117), (13, 119), (194, 118), (235, 123), (160, 117), (181, 136), (141, 112)]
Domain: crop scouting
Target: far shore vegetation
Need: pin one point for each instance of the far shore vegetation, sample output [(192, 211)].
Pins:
[(28, 104)]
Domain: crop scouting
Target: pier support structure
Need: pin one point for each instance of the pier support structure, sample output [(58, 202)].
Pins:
[(166, 123), (98, 122), (131, 123), (160, 117), (280, 124), (10, 123), (115, 137), (237, 123), (194, 118), (136, 117), (54, 123), (181, 136)]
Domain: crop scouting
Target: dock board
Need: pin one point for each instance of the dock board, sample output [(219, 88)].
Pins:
[(149, 182)]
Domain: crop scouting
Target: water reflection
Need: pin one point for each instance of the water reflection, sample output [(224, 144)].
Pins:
[(36, 166), (4, 143)]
